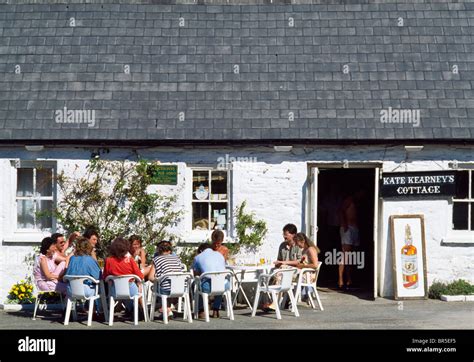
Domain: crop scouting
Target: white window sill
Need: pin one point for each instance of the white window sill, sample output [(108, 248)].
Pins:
[(461, 237), (26, 237)]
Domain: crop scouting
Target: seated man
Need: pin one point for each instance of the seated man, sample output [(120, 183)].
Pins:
[(289, 254), (206, 261)]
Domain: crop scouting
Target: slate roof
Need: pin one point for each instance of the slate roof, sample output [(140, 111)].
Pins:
[(290, 83)]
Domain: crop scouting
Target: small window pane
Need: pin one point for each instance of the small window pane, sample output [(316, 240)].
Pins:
[(201, 185), (472, 185), (219, 215), (460, 215), (472, 216), (201, 215), (219, 185), (44, 182), (24, 184), (25, 214), (43, 214), (462, 184)]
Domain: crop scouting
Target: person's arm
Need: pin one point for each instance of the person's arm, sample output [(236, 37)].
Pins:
[(45, 270), (142, 259), (290, 262), (59, 257), (312, 260), (151, 274)]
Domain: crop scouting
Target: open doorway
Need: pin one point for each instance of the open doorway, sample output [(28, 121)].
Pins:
[(334, 187)]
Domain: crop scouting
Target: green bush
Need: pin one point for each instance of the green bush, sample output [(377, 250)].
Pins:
[(457, 287)]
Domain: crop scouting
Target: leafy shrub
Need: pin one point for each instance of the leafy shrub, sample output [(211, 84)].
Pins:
[(249, 231), (113, 198), (457, 287)]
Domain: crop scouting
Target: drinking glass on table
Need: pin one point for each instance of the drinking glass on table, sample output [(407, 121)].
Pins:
[(100, 261)]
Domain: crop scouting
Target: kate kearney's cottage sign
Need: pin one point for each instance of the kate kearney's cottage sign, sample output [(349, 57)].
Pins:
[(412, 184)]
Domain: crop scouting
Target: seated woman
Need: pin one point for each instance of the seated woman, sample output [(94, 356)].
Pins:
[(120, 264), (309, 258), (82, 263), (217, 238), (165, 262), (138, 254), (48, 275)]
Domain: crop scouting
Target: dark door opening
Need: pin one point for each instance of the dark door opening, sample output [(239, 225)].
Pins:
[(334, 186)]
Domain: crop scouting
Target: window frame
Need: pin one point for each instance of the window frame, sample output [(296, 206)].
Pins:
[(35, 165), (463, 237), (210, 169), (469, 200)]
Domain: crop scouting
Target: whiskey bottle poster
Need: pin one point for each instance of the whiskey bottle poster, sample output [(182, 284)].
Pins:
[(408, 256)]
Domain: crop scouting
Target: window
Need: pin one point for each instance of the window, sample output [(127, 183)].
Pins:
[(210, 199), (463, 210), (34, 196)]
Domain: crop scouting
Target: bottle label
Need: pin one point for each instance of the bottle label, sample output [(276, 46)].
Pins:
[(409, 265)]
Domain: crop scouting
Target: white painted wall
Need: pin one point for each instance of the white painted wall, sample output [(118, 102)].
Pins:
[(275, 189)]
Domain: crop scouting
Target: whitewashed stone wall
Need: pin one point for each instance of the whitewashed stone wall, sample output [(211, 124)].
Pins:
[(274, 187)]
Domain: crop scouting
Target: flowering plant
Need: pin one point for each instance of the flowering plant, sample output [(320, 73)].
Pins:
[(21, 293)]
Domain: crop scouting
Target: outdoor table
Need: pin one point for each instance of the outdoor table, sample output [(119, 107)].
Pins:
[(239, 274)]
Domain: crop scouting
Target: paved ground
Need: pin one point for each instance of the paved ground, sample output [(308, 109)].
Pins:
[(341, 311)]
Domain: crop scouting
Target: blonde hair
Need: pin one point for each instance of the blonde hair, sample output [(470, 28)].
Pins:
[(308, 243)]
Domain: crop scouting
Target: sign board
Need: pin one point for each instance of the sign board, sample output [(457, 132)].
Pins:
[(409, 256), (417, 184), (163, 174)]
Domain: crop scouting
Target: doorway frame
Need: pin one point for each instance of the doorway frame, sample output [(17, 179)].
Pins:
[(312, 184)]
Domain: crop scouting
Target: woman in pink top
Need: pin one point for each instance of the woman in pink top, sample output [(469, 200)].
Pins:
[(48, 275)]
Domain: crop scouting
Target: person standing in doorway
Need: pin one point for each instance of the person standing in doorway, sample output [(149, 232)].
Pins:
[(349, 235)]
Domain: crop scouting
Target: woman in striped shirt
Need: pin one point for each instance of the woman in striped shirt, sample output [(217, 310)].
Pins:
[(163, 263)]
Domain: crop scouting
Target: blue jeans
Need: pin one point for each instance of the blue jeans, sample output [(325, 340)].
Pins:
[(206, 288), (133, 291), (89, 291)]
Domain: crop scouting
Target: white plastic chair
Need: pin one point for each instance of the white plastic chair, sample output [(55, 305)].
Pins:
[(40, 294), (304, 280), (122, 292), (77, 293), (180, 300), (285, 286), (179, 288), (218, 282)]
